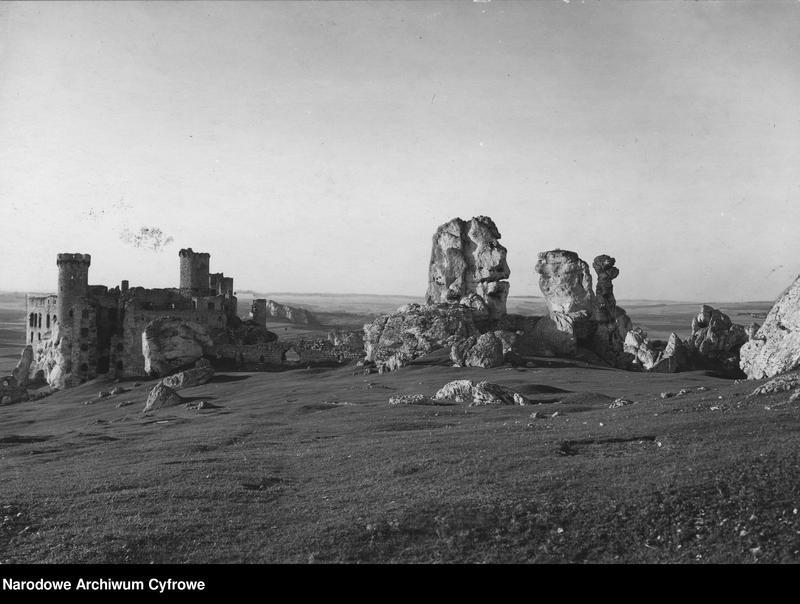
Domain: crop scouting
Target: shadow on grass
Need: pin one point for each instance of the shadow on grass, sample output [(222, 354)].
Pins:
[(222, 379)]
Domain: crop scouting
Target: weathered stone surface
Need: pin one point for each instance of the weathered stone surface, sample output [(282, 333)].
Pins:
[(414, 331), (566, 282), (775, 347), (645, 355), (162, 396), (673, 358), (411, 399), (169, 344), (605, 302), (21, 371), (480, 393), (289, 314), (485, 351), (715, 339), (467, 258), (189, 378), (554, 336)]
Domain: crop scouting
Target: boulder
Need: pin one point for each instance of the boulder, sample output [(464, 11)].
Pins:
[(162, 396), (410, 399), (189, 378), (467, 258), (170, 343), (481, 393), (775, 346), (715, 340), (415, 330)]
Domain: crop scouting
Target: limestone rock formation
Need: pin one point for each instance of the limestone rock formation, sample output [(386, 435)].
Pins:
[(415, 330), (21, 371), (481, 393), (645, 354), (775, 347), (715, 340), (290, 314), (189, 378), (673, 358), (579, 318), (162, 396), (169, 344), (612, 322), (649, 357), (467, 258), (566, 283), (485, 351)]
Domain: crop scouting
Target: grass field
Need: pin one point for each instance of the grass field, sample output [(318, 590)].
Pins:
[(314, 465)]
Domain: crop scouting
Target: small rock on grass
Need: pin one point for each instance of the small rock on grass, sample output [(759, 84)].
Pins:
[(620, 402), (410, 399)]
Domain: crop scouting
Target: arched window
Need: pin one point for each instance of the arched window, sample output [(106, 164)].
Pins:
[(85, 313), (54, 319), (119, 365), (84, 368), (39, 320), (48, 321)]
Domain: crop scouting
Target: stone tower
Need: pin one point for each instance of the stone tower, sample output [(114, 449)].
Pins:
[(77, 340), (73, 286), (194, 271)]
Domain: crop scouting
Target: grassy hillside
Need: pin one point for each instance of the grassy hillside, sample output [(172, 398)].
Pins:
[(315, 466)]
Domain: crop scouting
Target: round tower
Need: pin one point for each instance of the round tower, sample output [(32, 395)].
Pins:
[(194, 270), (73, 283)]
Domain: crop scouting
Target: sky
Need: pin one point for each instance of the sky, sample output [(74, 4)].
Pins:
[(316, 146)]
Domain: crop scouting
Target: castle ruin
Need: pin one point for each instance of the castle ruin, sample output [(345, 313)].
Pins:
[(86, 330)]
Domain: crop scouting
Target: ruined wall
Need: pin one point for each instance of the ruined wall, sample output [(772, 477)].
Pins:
[(41, 318), (290, 354)]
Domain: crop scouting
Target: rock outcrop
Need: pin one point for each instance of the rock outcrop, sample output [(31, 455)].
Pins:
[(162, 396), (611, 321), (648, 356), (480, 393), (189, 378), (715, 340), (775, 347), (466, 259), (22, 370), (170, 344), (579, 317), (566, 283), (415, 330), (290, 314)]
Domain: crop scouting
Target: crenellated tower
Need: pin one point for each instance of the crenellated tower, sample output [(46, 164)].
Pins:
[(194, 271)]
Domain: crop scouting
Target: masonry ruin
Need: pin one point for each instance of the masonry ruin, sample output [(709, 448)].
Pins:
[(87, 330)]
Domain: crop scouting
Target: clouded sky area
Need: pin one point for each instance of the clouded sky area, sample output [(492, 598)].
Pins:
[(315, 147)]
